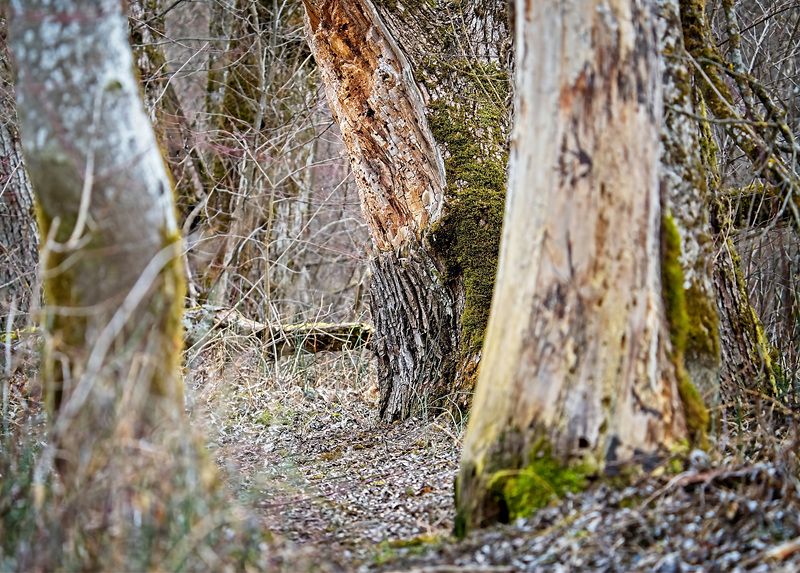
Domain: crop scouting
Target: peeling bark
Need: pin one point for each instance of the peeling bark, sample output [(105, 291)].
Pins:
[(578, 364), (381, 114), (420, 101)]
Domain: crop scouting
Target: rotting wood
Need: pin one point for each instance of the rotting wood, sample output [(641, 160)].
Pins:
[(419, 94), (285, 339)]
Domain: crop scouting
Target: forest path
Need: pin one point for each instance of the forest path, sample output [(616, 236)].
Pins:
[(339, 491)]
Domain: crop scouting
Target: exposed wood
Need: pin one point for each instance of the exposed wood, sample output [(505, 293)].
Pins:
[(285, 339), (419, 95), (576, 365), (381, 114)]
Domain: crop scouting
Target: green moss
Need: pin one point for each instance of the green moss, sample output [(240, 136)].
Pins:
[(763, 352), (468, 236), (521, 492), (693, 407), (703, 327), (672, 284), (168, 305), (697, 328), (708, 146)]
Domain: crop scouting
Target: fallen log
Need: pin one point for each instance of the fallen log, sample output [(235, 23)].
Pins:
[(285, 339)]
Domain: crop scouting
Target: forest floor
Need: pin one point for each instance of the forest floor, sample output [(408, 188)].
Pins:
[(340, 491)]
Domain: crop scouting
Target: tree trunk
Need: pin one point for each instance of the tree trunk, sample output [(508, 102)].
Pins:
[(579, 374), (112, 275), (19, 243), (685, 201), (419, 92), (747, 357)]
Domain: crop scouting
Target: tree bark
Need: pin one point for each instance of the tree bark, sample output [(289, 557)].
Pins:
[(747, 358), (19, 242), (686, 201), (579, 374), (112, 275), (419, 94)]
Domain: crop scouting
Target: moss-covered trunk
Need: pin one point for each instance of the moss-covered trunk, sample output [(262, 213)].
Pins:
[(419, 91), (111, 263), (580, 371), (685, 200), (747, 359), (19, 253)]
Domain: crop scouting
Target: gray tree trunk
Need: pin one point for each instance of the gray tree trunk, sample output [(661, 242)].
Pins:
[(19, 243), (686, 200), (112, 275)]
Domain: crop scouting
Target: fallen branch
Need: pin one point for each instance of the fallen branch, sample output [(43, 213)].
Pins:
[(286, 339)]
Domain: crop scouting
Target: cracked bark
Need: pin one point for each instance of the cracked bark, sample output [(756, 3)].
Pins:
[(19, 242), (396, 77)]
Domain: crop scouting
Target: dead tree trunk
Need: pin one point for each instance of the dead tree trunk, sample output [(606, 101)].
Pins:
[(580, 373), (419, 92)]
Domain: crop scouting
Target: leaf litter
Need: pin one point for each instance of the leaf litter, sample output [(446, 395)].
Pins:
[(337, 490)]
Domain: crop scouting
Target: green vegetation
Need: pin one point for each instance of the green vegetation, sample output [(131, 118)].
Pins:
[(468, 236), (684, 327), (520, 492)]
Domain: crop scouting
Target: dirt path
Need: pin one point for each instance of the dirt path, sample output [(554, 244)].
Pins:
[(341, 492)]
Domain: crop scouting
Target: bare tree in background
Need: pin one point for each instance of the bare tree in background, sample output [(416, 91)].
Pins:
[(745, 76), (276, 230), (419, 91)]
